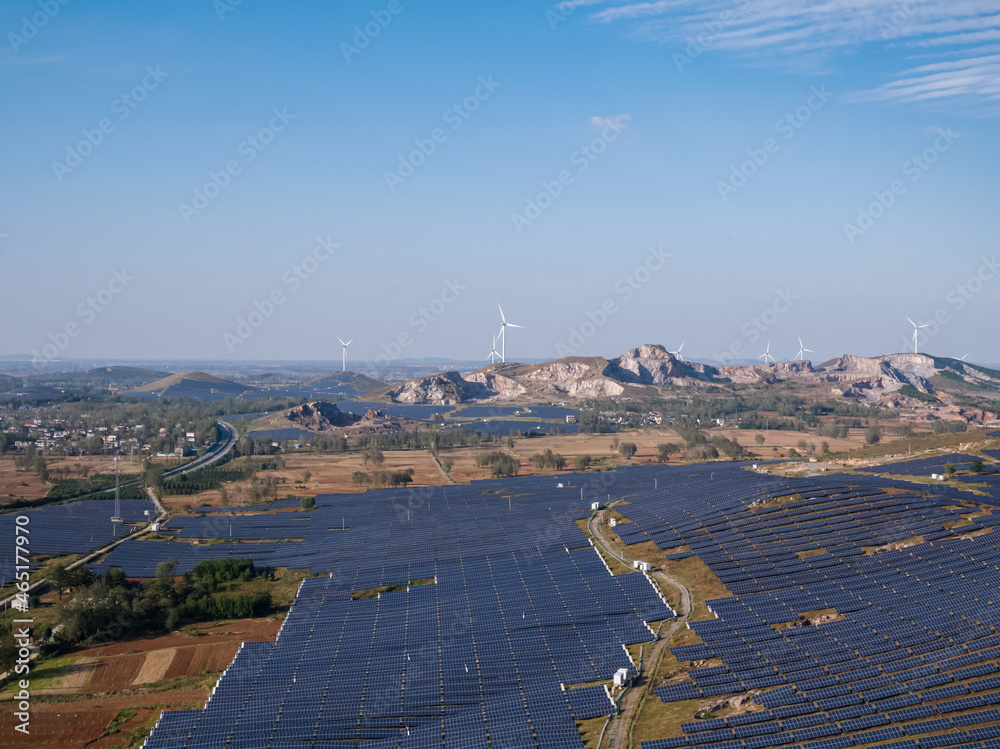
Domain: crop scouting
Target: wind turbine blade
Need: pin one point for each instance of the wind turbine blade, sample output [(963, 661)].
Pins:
[(341, 341), (911, 321), (512, 325), (349, 342), (501, 313)]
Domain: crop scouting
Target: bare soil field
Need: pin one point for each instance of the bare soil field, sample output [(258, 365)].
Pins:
[(144, 675), (332, 473), (26, 484)]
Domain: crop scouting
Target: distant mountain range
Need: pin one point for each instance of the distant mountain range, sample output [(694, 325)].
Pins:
[(896, 380)]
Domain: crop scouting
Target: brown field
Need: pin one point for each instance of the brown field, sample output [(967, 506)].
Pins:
[(14, 483), (332, 473), (72, 725), (146, 675)]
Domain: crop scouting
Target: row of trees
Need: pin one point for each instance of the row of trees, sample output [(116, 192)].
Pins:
[(109, 607), (382, 479)]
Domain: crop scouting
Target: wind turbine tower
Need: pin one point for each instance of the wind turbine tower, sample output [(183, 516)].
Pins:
[(803, 351), (766, 356), (916, 332), (345, 345), (503, 333)]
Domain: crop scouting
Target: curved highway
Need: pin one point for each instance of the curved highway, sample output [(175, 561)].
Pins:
[(220, 449)]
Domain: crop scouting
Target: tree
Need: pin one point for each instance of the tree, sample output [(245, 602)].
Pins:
[(308, 503), (627, 449), (949, 469), (665, 449), (824, 447), (582, 462), (375, 456), (873, 435), (759, 439), (59, 577), (41, 468), (306, 475), (360, 477), (447, 464)]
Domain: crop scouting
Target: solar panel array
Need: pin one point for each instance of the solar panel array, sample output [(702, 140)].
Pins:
[(913, 628), (71, 528), (514, 604)]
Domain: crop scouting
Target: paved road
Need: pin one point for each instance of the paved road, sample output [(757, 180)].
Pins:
[(219, 450), (643, 682)]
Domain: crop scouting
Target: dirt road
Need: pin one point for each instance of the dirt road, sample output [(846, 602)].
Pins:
[(619, 734)]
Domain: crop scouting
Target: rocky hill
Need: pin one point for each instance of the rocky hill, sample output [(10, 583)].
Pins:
[(320, 416), (896, 380)]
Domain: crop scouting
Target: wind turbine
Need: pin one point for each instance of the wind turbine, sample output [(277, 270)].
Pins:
[(677, 353), (916, 329), (493, 351), (345, 345), (803, 350), (766, 356), (503, 333), (965, 357)]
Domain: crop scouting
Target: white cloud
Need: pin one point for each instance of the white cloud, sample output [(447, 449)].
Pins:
[(796, 32), (615, 122)]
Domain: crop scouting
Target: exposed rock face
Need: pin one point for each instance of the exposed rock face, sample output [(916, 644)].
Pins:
[(577, 378), (782, 370), (503, 386), (872, 378), (319, 416), (654, 365), (447, 388)]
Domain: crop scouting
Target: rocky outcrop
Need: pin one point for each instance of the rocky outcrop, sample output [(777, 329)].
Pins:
[(502, 385), (654, 365), (446, 389), (320, 416), (872, 378)]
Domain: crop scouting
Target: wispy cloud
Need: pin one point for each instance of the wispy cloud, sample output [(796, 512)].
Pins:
[(791, 31)]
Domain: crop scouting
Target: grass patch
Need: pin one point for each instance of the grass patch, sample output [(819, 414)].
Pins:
[(810, 553), (122, 717), (590, 730), (45, 675), (911, 392), (360, 595)]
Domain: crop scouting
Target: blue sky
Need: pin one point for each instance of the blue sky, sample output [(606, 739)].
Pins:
[(810, 170)]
